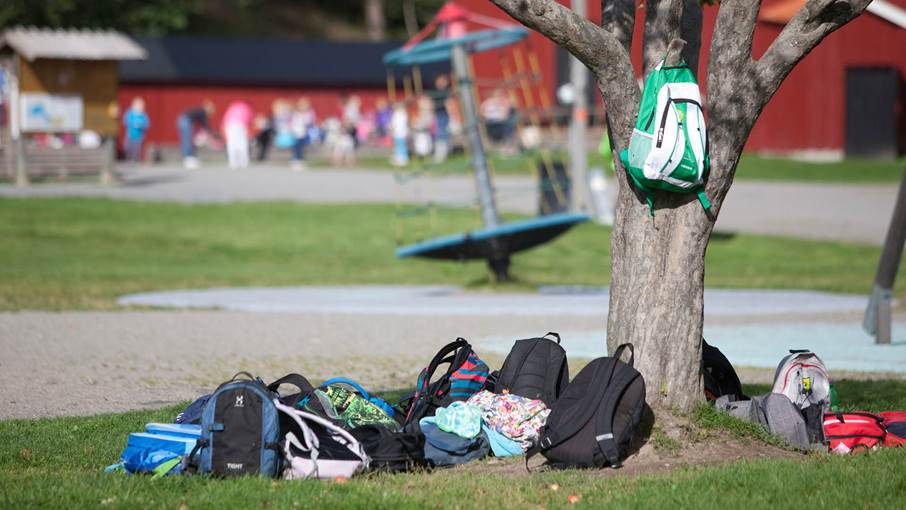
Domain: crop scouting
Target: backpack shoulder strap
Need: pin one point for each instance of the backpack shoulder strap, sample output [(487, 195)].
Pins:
[(619, 352), (620, 379), (556, 365), (453, 352), (703, 199), (349, 382), (297, 380)]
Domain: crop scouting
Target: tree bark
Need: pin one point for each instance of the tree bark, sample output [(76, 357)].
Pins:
[(657, 263), (375, 19)]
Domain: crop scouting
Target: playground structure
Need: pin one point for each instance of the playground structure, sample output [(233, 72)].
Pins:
[(495, 241)]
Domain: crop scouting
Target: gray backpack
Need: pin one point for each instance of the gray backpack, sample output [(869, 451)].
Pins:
[(776, 413)]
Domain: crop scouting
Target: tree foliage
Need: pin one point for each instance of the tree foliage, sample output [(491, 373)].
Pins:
[(249, 18)]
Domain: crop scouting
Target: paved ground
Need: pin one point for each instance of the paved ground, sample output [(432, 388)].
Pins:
[(849, 212), (411, 300)]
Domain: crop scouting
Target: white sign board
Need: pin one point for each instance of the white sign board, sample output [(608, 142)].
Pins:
[(50, 113)]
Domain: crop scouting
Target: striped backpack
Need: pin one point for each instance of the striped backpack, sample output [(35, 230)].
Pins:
[(465, 376), (669, 145)]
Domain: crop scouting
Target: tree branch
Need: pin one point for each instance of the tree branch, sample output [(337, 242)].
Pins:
[(691, 32), (662, 25), (587, 41), (732, 95), (618, 18), (814, 21)]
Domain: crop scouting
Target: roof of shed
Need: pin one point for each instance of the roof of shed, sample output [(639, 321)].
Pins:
[(72, 44)]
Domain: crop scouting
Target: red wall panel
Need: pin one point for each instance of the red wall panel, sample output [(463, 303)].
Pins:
[(166, 102), (808, 110)]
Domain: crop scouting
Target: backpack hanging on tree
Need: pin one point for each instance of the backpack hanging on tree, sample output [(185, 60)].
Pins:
[(669, 145), (535, 368), (593, 423)]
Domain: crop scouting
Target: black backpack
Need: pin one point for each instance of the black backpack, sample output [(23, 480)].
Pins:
[(593, 423), (391, 451), (719, 376), (535, 368)]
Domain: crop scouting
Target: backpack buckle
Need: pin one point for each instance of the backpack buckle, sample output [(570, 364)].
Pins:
[(546, 442)]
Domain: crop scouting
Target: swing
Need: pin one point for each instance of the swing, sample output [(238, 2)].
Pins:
[(495, 241)]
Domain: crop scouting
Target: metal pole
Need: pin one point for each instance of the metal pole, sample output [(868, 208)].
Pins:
[(578, 127), (498, 260), (476, 149), (877, 316)]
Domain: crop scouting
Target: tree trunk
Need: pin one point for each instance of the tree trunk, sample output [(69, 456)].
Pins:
[(375, 19), (656, 293)]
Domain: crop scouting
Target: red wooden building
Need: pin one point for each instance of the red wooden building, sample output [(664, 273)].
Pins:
[(809, 111), (183, 71), (860, 67)]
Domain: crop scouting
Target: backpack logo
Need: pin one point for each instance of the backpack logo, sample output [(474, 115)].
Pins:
[(234, 465), (240, 401)]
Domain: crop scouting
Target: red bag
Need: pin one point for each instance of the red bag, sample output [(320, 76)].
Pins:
[(895, 425), (848, 432)]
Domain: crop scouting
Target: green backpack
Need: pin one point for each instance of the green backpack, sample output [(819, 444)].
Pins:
[(669, 145)]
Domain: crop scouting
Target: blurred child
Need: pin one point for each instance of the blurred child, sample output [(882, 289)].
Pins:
[(440, 96), (399, 130), (264, 134), (237, 123), (136, 123), (302, 119), (382, 115), (198, 117), (421, 127)]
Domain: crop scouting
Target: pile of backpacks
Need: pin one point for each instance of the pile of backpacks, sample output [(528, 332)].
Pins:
[(460, 411), (802, 408)]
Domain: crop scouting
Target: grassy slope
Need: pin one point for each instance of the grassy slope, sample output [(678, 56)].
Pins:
[(82, 253), (58, 462), (751, 167)]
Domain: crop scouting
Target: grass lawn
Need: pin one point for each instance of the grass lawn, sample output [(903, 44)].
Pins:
[(56, 463), (752, 167), (83, 253)]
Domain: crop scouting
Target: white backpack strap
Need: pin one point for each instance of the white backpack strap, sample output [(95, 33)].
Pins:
[(351, 442)]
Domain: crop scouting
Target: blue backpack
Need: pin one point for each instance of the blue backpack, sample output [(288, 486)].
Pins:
[(240, 431)]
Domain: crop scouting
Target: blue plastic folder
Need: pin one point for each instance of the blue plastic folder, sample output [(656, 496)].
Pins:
[(151, 442), (174, 429), (162, 445)]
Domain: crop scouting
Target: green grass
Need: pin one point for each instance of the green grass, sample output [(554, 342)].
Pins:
[(752, 167), (83, 253), (57, 463)]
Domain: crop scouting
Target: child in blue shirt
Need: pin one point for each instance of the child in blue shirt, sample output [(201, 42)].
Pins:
[(136, 123)]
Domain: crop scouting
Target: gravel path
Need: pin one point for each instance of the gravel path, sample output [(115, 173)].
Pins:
[(83, 363), (847, 212)]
